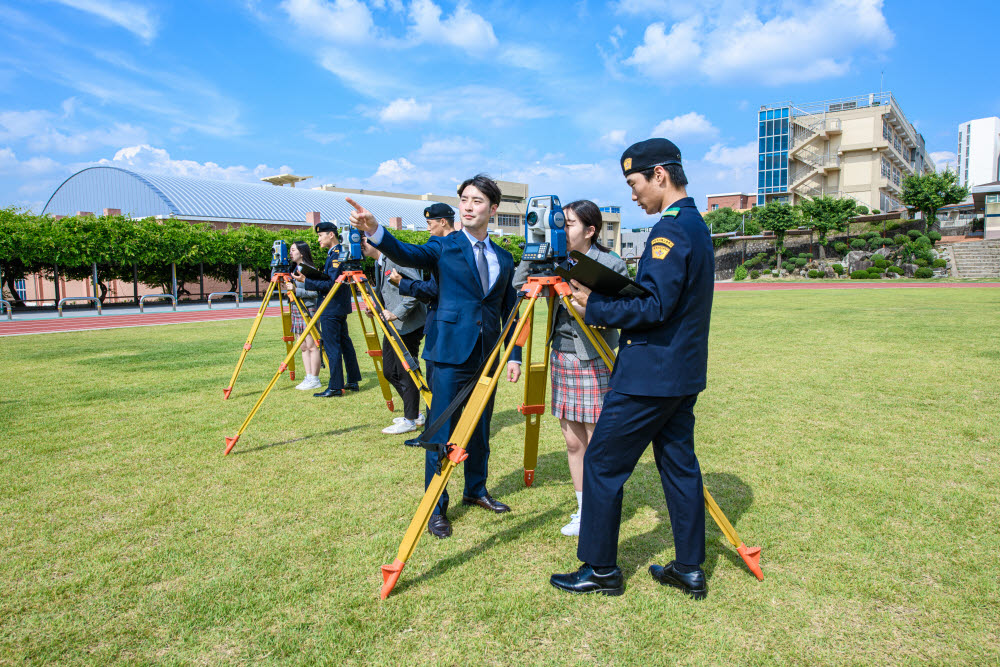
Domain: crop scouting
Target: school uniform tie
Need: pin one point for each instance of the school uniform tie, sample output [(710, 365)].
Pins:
[(484, 269)]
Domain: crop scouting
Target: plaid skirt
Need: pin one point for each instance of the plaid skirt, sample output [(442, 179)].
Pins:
[(578, 387), (298, 324)]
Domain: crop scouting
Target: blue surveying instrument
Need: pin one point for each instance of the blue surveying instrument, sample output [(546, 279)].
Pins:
[(544, 230)]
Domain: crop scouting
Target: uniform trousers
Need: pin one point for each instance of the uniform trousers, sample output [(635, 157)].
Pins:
[(395, 373), (448, 379), (338, 345), (625, 428)]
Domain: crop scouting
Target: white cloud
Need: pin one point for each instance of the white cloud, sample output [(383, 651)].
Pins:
[(465, 29), (44, 131), (10, 164), (394, 172), (613, 139), (158, 161), (340, 21), (733, 164), (131, 16), (781, 44), (324, 138), (691, 125), (405, 111), (944, 160), (447, 148)]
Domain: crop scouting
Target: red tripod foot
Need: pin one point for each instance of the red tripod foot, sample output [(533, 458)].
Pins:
[(230, 443), (226, 392), (751, 556), (389, 405), (529, 477), (390, 575)]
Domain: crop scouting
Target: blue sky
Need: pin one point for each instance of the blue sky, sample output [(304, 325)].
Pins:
[(415, 95)]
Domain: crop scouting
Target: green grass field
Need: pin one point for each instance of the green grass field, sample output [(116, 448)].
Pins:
[(853, 434)]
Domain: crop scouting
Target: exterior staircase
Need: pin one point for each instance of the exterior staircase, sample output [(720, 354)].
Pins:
[(977, 259)]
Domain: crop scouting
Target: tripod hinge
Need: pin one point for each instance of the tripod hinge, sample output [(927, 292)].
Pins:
[(374, 353), (531, 409), (457, 454)]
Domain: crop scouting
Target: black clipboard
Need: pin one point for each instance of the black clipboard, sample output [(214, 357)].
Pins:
[(311, 272), (599, 278)]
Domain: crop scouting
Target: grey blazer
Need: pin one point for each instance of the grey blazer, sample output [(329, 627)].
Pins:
[(411, 312), (308, 299), (565, 324)]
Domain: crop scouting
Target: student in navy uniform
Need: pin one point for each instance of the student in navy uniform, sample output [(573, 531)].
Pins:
[(475, 296), (660, 369), (333, 320)]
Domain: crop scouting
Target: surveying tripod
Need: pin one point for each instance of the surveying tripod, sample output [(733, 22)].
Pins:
[(359, 285), (535, 377), (277, 283)]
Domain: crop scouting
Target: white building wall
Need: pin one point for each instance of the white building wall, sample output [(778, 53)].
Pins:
[(978, 151)]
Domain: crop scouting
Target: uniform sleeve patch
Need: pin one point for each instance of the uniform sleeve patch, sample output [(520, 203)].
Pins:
[(660, 251), (660, 240)]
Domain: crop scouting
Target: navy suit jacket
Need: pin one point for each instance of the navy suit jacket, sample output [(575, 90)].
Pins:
[(463, 311), (341, 303), (663, 348), (425, 291)]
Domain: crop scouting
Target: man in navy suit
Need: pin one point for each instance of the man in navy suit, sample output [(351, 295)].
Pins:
[(475, 295), (333, 320), (660, 369)]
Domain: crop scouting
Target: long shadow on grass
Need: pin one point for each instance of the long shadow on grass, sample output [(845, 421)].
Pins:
[(731, 493), (339, 431)]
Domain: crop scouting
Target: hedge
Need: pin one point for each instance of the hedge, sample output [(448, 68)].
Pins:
[(923, 272)]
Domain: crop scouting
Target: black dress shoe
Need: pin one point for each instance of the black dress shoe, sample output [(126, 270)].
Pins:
[(329, 392), (487, 502), (413, 442), (692, 583), (352, 386), (439, 526), (585, 580)]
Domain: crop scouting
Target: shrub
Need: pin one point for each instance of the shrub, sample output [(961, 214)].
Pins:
[(870, 235), (841, 248), (801, 261), (788, 266), (754, 275), (895, 269), (934, 236), (813, 273), (914, 234), (806, 255), (923, 272), (859, 275), (888, 242), (900, 239), (859, 244), (921, 262), (741, 273), (891, 225), (925, 254), (775, 273), (939, 263), (838, 269), (880, 262), (922, 242)]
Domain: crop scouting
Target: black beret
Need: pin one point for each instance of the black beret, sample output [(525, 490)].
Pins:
[(648, 154), (326, 227), (439, 211)]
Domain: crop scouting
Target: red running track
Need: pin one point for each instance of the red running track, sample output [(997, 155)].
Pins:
[(56, 325)]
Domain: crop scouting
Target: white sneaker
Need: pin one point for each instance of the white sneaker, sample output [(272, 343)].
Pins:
[(309, 384), (418, 422), (572, 529), (402, 426)]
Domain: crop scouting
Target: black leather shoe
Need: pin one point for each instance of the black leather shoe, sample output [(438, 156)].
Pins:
[(585, 580), (413, 442), (329, 392), (439, 526), (352, 386), (692, 583), (487, 502)]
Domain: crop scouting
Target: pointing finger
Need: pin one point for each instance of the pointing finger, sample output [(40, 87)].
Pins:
[(356, 205)]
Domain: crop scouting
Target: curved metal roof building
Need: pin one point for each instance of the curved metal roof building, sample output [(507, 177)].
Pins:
[(143, 195)]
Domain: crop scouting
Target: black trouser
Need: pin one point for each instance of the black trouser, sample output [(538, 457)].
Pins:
[(392, 369), (339, 347)]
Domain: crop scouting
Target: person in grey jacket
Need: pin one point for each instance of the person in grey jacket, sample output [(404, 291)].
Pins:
[(311, 356), (408, 316), (579, 375)]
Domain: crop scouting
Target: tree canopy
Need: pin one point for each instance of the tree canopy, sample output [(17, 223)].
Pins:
[(929, 192)]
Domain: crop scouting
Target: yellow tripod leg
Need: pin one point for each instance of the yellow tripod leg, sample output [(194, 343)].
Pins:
[(535, 380), (286, 328), (411, 365), (310, 325), (249, 343), (374, 345), (316, 338), (481, 393), (750, 555)]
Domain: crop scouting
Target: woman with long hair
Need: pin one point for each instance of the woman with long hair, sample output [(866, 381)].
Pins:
[(579, 375), (299, 252)]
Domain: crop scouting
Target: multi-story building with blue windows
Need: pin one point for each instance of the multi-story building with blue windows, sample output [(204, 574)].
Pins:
[(859, 147)]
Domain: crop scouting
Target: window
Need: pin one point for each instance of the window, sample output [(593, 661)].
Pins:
[(990, 199), (508, 220), (886, 132), (715, 207), (886, 167), (21, 289)]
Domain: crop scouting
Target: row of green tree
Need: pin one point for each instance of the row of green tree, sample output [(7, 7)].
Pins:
[(126, 249), (824, 215)]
